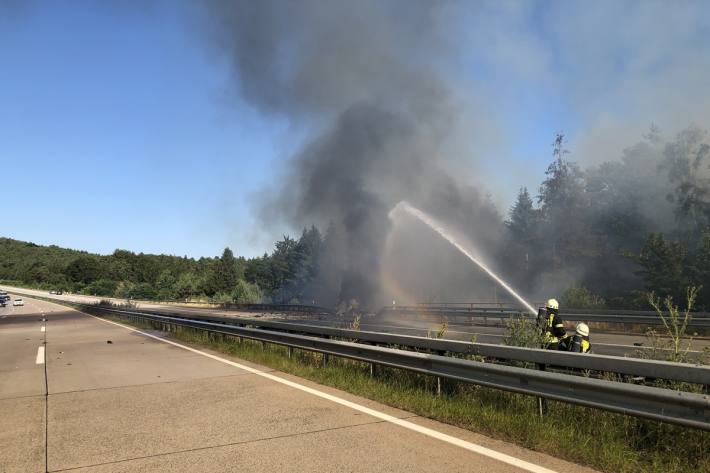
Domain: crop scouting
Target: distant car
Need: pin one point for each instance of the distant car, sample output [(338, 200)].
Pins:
[(52, 292), (18, 302)]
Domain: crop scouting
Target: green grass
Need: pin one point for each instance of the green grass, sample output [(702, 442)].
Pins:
[(603, 440)]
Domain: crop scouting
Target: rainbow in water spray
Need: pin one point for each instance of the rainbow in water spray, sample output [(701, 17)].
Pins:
[(439, 228)]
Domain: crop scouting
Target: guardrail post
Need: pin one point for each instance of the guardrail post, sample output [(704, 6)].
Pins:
[(438, 378), (541, 402), (325, 355), (290, 352)]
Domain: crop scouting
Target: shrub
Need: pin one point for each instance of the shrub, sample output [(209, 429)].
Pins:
[(101, 287), (246, 293), (523, 332), (579, 297)]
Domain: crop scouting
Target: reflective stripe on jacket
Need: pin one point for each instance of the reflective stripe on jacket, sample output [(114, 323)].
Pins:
[(580, 344), (555, 325)]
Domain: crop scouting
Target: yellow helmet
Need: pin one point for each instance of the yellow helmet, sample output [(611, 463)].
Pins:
[(552, 304)]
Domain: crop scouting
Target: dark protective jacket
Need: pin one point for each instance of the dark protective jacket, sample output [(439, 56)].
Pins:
[(575, 343), (552, 325)]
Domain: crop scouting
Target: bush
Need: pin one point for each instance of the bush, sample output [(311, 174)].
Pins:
[(136, 291), (523, 332), (102, 287), (246, 293), (579, 297), (221, 298)]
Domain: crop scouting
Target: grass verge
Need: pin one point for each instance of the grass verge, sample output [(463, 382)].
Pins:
[(602, 440)]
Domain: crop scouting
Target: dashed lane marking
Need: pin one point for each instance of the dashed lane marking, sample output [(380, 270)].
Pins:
[(40, 356)]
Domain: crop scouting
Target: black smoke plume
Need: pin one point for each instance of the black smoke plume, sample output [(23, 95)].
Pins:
[(362, 75)]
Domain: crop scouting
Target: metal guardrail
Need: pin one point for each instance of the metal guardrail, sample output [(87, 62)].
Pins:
[(683, 408), (653, 369), (700, 319), (301, 308), (506, 306)]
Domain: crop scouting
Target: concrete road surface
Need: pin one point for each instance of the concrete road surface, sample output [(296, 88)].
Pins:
[(81, 394)]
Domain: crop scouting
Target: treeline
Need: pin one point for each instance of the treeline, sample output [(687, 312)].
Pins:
[(603, 236), (619, 229), (284, 276)]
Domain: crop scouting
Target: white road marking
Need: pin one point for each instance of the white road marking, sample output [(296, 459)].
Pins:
[(40, 356), (481, 450), (42, 329)]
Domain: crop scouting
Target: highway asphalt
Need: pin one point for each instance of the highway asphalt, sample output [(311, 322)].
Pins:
[(106, 398)]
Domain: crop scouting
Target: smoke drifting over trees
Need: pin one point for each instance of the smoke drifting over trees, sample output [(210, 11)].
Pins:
[(603, 227), (430, 102), (369, 79)]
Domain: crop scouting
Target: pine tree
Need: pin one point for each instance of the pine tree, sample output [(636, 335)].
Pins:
[(523, 218), (664, 266)]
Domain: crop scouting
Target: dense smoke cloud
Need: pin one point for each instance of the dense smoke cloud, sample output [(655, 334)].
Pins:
[(367, 76), (385, 90)]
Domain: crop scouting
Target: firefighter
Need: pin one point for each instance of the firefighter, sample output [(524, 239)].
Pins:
[(553, 328), (579, 342)]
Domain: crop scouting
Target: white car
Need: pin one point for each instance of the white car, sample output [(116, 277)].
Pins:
[(18, 302)]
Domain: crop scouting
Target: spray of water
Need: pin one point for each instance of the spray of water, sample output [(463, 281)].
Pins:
[(439, 228)]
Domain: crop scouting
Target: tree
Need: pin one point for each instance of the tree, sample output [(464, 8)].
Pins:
[(246, 293), (701, 271), (186, 285), (101, 287), (225, 272), (83, 269), (523, 218), (165, 285), (284, 266), (564, 207), (663, 266), (522, 228), (688, 162), (141, 291), (258, 271)]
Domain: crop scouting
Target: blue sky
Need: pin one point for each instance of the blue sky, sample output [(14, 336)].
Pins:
[(119, 128), (116, 132)]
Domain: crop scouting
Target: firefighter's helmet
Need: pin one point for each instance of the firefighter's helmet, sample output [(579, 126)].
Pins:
[(583, 329), (552, 304)]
